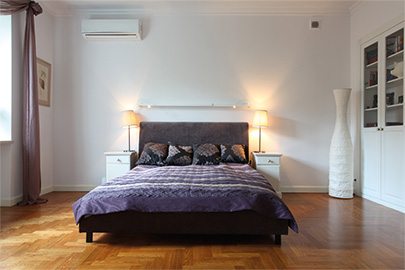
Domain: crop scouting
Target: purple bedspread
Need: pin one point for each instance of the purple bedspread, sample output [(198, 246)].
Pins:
[(194, 188)]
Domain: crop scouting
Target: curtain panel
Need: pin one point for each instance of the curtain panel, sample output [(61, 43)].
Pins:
[(30, 120)]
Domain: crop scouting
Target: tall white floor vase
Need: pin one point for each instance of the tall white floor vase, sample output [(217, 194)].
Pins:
[(341, 150)]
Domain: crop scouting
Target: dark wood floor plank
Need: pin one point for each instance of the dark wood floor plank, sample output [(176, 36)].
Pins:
[(334, 234)]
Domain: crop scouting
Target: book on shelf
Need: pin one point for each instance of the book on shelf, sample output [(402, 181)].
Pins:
[(371, 124), (371, 56), (373, 78), (394, 123), (389, 97), (395, 44)]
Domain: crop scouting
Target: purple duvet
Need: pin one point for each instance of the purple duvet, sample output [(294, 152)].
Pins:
[(194, 188)]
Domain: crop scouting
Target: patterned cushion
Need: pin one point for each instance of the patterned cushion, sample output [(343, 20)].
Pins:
[(233, 153), (153, 154), (206, 154), (180, 155)]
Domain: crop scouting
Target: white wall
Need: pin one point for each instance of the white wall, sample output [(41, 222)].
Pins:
[(367, 19), (45, 50), (11, 153), (272, 62)]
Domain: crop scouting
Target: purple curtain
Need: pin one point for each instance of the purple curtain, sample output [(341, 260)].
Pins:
[(30, 124)]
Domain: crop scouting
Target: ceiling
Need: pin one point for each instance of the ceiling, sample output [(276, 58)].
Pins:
[(68, 7)]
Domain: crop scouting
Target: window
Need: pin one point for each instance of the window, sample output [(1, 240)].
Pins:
[(5, 78)]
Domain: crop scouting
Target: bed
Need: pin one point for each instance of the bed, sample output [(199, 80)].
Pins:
[(221, 199)]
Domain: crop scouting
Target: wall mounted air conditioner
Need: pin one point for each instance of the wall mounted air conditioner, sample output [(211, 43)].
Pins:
[(111, 29)]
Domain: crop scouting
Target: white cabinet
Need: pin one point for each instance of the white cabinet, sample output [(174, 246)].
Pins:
[(268, 164), (119, 163), (371, 163), (383, 131), (393, 167)]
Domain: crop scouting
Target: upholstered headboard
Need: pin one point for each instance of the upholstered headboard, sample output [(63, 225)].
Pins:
[(189, 133)]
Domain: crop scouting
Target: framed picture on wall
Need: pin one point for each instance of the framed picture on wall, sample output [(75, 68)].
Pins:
[(44, 82)]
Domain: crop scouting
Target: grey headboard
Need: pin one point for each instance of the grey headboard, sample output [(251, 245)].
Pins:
[(189, 133)]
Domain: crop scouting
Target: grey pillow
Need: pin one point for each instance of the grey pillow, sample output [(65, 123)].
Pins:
[(206, 154), (180, 155), (153, 154), (234, 153)]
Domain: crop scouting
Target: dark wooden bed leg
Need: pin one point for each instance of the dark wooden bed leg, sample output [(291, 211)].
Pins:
[(277, 239), (89, 237)]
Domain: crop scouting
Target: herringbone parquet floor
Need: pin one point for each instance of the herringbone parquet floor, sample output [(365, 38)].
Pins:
[(335, 234)]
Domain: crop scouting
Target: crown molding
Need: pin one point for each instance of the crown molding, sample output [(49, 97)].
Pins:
[(60, 8), (356, 6)]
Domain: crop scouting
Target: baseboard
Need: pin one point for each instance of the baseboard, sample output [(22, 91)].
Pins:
[(74, 188), (384, 203), (305, 189), (46, 190), (11, 201), (16, 199), (291, 189)]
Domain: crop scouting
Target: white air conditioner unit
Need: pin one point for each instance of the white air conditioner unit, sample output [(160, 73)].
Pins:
[(108, 29)]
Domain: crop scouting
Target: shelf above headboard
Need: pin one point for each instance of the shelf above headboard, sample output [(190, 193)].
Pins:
[(244, 106)]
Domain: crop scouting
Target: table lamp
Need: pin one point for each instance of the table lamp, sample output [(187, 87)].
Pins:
[(260, 120), (129, 119)]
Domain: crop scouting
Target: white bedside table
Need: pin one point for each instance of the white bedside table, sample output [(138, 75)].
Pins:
[(118, 163), (268, 164)]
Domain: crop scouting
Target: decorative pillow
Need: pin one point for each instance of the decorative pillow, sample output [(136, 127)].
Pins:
[(233, 153), (206, 154), (180, 155), (153, 154)]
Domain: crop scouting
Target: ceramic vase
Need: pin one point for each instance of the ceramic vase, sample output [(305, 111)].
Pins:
[(341, 150), (398, 70)]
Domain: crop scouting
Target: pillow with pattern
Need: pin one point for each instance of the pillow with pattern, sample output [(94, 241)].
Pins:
[(153, 154), (206, 154), (234, 153), (180, 155)]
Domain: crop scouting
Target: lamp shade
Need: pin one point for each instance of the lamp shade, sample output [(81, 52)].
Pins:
[(260, 119), (129, 118)]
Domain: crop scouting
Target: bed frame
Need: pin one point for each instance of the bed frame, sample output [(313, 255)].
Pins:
[(188, 133)]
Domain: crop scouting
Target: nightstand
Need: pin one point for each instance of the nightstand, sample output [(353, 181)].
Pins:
[(268, 164), (118, 163)]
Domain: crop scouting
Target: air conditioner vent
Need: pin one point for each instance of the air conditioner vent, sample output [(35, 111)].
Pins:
[(111, 29)]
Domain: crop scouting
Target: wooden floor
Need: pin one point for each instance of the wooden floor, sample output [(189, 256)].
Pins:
[(335, 234)]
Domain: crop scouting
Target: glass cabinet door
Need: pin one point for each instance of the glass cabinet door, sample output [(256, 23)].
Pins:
[(394, 85), (370, 77), (383, 80)]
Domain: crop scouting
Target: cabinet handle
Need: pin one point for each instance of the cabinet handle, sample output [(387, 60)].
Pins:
[(119, 160), (382, 129), (270, 161)]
